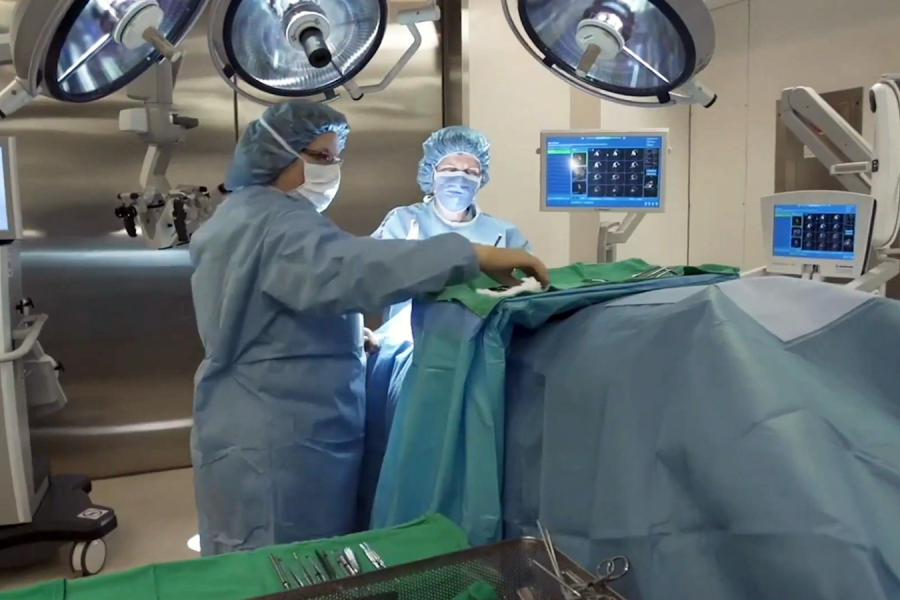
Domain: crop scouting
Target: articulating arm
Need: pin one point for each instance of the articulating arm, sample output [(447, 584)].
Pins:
[(828, 136), (167, 216), (858, 166)]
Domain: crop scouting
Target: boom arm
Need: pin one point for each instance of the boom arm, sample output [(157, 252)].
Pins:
[(828, 136), (847, 155)]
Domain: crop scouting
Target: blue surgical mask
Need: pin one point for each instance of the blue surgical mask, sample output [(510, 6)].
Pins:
[(455, 190)]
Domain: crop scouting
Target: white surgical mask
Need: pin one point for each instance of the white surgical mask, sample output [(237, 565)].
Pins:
[(320, 182)]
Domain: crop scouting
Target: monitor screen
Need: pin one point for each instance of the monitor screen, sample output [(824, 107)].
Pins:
[(604, 171), (815, 231)]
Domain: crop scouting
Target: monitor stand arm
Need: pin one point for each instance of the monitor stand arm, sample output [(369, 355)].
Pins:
[(811, 272), (613, 233), (877, 277)]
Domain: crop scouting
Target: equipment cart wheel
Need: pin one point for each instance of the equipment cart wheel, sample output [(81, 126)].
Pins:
[(88, 558)]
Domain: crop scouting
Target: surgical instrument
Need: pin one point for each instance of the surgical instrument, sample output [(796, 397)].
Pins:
[(567, 589), (613, 568), (525, 594), (654, 273), (297, 579), (352, 562), (277, 564), (548, 544), (326, 565), (316, 570), (551, 552), (342, 562), (499, 237), (372, 556), (306, 573)]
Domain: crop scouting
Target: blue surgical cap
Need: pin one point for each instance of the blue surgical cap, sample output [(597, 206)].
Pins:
[(259, 158), (453, 140)]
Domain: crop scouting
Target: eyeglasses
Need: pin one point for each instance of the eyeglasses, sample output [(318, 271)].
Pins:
[(473, 171), (323, 158)]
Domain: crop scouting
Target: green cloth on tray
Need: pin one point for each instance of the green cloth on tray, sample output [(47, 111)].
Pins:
[(577, 275), (244, 575)]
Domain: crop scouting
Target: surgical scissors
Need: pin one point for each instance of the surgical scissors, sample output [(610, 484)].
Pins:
[(613, 568)]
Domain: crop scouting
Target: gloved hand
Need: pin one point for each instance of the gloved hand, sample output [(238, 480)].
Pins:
[(370, 343), (500, 264)]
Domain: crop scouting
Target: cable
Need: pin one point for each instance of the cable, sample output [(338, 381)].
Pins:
[(237, 128), (690, 146)]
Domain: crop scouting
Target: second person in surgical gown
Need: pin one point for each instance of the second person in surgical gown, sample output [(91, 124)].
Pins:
[(454, 167)]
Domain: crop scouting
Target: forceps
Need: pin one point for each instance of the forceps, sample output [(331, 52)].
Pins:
[(654, 273), (568, 592)]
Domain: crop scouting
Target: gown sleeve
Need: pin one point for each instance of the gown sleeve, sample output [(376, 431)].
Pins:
[(515, 239), (309, 264), (394, 227)]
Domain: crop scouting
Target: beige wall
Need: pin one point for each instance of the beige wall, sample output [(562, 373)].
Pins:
[(722, 158), (511, 99), (662, 238), (764, 46)]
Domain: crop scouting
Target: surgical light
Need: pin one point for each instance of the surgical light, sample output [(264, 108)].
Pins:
[(305, 49), (634, 52), (84, 50)]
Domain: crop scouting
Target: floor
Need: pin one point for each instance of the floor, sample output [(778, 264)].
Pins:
[(156, 517)]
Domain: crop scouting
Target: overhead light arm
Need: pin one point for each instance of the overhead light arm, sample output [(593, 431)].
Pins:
[(13, 98), (692, 92), (411, 18)]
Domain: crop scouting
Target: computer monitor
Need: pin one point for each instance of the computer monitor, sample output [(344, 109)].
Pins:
[(10, 211), (619, 171), (828, 230)]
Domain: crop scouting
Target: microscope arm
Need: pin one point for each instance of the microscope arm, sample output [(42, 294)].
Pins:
[(164, 213), (155, 167), (828, 136), (884, 101)]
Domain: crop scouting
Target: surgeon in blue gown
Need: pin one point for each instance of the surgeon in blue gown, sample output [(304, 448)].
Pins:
[(455, 165), (278, 291)]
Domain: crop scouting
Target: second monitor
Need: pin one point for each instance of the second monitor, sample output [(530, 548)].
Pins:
[(603, 170)]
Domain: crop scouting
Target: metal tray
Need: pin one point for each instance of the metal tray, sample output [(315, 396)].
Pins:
[(507, 567)]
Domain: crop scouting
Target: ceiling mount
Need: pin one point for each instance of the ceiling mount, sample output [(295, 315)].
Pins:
[(304, 50), (643, 53)]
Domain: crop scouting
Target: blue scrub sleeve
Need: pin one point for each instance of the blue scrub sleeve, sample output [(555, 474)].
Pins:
[(394, 227), (517, 240), (309, 264)]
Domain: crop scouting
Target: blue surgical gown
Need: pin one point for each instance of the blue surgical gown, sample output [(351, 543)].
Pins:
[(421, 221), (279, 400)]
